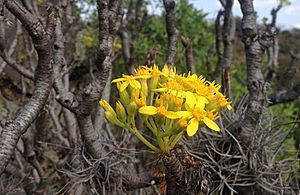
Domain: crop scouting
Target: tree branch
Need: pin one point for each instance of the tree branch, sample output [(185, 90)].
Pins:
[(255, 44), (190, 62), (285, 96), (42, 39), (171, 31), (285, 93)]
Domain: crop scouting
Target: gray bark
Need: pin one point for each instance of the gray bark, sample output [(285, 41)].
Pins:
[(42, 39), (255, 44), (171, 31)]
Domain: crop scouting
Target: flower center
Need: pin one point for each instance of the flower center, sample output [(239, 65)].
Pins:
[(162, 111), (182, 122), (141, 101), (199, 114)]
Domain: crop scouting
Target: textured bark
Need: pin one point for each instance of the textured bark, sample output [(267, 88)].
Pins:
[(110, 18), (184, 175), (171, 31), (224, 44), (42, 39), (190, 62), (228, 34), (218, 42), (61, 84), (98, 119), (174, 175), (255, 44), (273, 51)]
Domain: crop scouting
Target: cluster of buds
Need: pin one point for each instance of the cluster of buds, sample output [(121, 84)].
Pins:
[(169, 104)]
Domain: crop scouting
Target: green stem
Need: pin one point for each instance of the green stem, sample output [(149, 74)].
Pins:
[(135, 132), (153, 130), (151, 97), (161, 142), (176, 138)]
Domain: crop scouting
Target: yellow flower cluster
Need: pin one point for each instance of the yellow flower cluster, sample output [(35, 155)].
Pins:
[(168, 103)]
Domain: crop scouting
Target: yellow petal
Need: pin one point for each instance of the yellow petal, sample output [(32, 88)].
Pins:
[(200, 104), (185, 114), (118, 80), (203, 99), (159, 90), (171, 115), (211, 124), (190, 99), (148, 110), (192, 127), (229, 107), (142, 76), (123, 86), (135, 84)]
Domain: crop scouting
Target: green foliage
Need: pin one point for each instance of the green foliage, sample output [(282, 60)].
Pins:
[(238, 81), (191, 23)]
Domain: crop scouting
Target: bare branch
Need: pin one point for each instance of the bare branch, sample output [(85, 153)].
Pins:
[(218, 41), (273, 51), (285, 96), (224, 44), (285, 92), (19, 68), (171, 31), (110, 15), (255, 45), (12, 46), (128, 44), (41, 37), (289, 73), (190, 63), (151, 55)]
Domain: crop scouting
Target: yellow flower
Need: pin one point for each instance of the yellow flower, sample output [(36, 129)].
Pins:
[(140, 101), (222, 101), (169, 104), (129, 80), (169, 71), (123, 94), (160, 111), (145, 73), (197, 114), (182, 122), (155, 75)]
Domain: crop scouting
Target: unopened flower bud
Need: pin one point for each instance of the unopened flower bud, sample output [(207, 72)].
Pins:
[(121, 113), (131, 108), (144, 88), (123, 94), (106, 106), (112, 118)]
